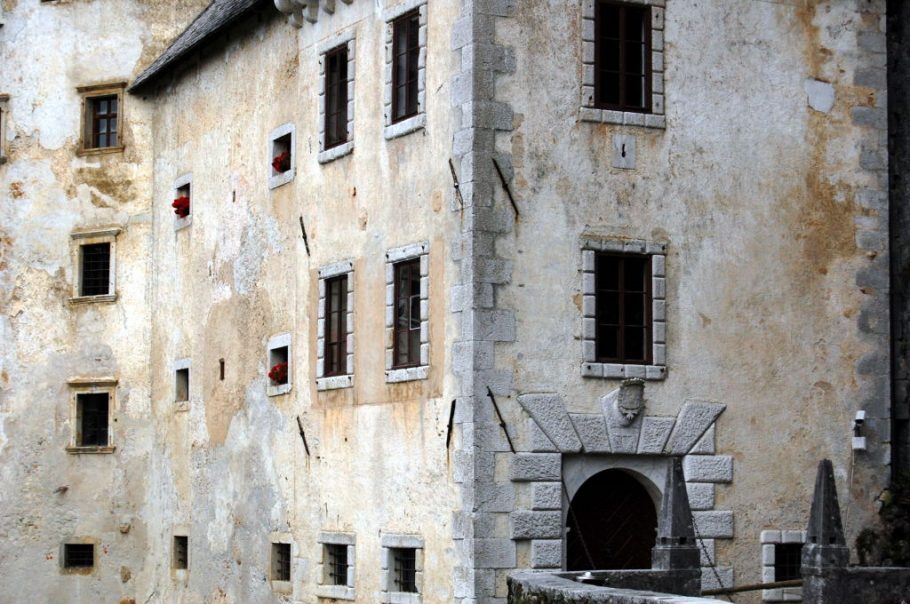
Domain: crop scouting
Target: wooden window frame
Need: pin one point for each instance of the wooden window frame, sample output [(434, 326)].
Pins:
[(336, 364), (84, 386), (413, 355), (407, 25), (342, 376), (84, 237), (336, 97), (624, 8), (623, 325), (89, 94), (400, 372)]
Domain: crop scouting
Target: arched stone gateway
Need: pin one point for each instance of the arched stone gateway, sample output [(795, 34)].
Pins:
[(564, 451), (611, 524)]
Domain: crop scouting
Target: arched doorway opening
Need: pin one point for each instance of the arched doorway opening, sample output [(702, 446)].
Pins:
[(612, 524)]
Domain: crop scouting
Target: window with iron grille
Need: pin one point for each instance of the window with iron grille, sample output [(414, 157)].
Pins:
[(102, 121), (92, 419), (78, 555), (404, 561), (95, 269), (405, 65), (623, 308), (336, 328), (281, 561), (787, 561), (336, 564), (407, 314), (622, 60), (336, 97), (181, 552)]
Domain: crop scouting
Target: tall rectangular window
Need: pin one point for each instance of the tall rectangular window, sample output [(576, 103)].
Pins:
[(623, 308), (181, 552), (404, 575), (336, 327), (92, 419), (281, 561), (788, 561), (103, 116), (622, 61), (405, 65), (336, 564), (95, 261), (407, 314), (336, 97)]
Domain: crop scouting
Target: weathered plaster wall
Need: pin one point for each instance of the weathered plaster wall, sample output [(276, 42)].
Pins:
[(232, 469), (777, 271), (46, 192)]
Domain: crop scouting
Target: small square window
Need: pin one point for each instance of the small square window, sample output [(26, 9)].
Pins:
[(94, 266), (404, 569), (181, 552), (281, 155), (102, 118), (79, 555), (279, 365), (281, 562), (92, 423), (182, 385)]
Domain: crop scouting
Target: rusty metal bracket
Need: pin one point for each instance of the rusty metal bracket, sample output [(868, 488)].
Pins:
[(456, 185), (451, 424), (306, 242), (502, 423), (505, 186), (306, 447)]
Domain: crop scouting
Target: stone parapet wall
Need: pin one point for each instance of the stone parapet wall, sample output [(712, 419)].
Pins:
[(632, 587)]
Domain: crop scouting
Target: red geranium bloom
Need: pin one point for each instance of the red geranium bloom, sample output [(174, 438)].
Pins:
[(279, 373), (181, 206), (282, 162)]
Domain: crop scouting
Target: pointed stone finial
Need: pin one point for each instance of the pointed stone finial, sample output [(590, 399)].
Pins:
[(676, 547), (825, 546)]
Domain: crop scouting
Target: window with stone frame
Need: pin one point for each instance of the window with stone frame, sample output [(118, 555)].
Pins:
[(405, 68), (182, 203), (94, 265), (336, 99), (181, 555), (281, 562), (402, 568), (623, 62), (624, 309), (336, 570), (335, 329), (407, 313), (102, 117), (91, 412), (782, 561), (280, 367), (282, 155)]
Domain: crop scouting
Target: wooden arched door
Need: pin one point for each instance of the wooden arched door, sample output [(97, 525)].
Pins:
[(612, 524)]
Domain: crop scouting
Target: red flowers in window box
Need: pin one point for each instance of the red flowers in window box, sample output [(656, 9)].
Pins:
[(282, 162), (279, 373), (181, 206)]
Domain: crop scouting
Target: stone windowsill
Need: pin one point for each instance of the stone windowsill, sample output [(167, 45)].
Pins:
[(100, 151), (336, 152), (407, 374), (405, 126), (181, 406), (282, 178), (402, 597), (278, 390), (93, 299), (282, 587), (614, 371), (182, 223), (335, 592), (91, 450), (335, 382), (624, 118)]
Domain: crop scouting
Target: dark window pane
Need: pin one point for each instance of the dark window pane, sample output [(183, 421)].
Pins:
[(608, 55), (96, 269), (336, 302), (634, 274), (608, 343), (336, 97), (621, 61), (608, 20), (622, 288), (78, 555), (405, 569), (608, 308), (636, 25), (405, 64), (634, 343), (607, 275), (337, 564), (634, 58), (634, 309), (407, 313), (635, 91), (281, 561), (787, 561), (92, 415)]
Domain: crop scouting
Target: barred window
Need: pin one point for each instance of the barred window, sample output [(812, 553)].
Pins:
[(336, 564), (92, 419), (405, 569), (95, 259), (281, 561)]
